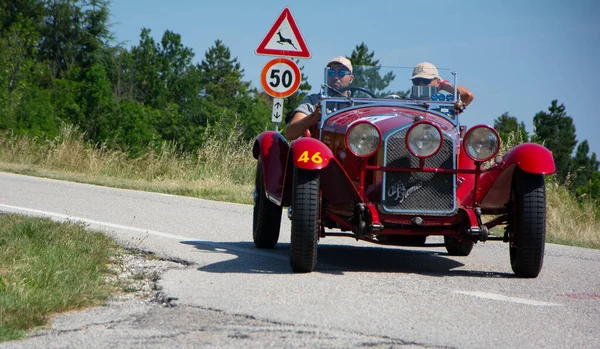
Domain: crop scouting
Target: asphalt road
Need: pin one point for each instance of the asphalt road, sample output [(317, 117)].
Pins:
[(361, 295)]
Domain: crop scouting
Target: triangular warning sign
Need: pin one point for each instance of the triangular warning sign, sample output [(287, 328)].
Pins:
[(284, 39)]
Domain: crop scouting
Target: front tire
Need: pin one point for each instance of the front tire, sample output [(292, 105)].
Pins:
[(305, 220), (267, 215), (528, 220)]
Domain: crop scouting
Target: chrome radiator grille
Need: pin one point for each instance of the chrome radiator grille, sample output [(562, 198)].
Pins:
[(418, 192)]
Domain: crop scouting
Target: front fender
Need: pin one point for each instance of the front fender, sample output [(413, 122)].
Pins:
[(273, 149), (495, 185), (310, 154), (532, 158)]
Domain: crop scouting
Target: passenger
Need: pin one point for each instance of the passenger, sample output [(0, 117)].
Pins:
[(308, 113), (426, 74)]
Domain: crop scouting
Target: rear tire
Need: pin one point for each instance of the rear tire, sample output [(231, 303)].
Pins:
[(528, 220), (458, 248), (306, 223), (267, 215)]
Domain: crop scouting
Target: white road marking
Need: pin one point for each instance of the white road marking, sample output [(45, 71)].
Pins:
[(500, 297), (66, 218), (63, 217)]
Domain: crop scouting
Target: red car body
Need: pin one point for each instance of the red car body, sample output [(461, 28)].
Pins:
[(394, 197)]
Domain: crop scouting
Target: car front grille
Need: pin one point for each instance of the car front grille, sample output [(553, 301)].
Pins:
[(424, 193)]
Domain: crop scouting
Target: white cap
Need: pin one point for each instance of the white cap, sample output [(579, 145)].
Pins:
[(425, 70), (343, 61)]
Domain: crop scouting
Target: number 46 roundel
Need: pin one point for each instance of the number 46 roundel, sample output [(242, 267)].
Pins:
[(280, 77)]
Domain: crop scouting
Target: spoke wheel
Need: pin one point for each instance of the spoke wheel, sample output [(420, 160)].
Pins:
[(528, 220), (267, 215), (305, 220)]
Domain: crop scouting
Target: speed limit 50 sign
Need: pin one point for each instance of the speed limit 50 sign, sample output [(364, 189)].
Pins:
[(280, 77)]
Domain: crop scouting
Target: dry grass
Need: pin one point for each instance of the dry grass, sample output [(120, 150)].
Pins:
[(570, 220), (221, 170)]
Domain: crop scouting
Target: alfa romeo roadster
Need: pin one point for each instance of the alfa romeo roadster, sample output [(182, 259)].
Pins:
[(393, 165)]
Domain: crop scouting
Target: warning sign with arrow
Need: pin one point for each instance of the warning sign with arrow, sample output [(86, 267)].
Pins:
[(284, 39)]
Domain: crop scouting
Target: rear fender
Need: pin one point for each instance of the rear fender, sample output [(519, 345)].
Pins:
[(273, 149), (310, 154)]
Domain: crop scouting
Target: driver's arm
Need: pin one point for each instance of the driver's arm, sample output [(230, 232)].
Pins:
[(301, 122)]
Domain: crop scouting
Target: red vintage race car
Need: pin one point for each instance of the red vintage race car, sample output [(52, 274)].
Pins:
[(394, 167)]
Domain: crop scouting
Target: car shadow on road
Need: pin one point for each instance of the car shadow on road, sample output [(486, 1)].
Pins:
[(337, 259)]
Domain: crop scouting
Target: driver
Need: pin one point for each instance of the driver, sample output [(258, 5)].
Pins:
[(308, 112), (426, 74)]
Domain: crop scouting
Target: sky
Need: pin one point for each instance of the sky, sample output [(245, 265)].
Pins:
[(516, 56)]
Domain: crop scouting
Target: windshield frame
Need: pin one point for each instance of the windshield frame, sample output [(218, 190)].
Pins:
[(431, 106)]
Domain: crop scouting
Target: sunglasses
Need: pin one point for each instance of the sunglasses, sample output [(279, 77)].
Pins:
[(340, 73), (421, 81)]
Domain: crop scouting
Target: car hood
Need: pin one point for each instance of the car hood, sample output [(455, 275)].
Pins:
[(386, 118)]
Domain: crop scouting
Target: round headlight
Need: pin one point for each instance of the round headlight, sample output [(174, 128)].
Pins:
[(481, 143), (363, 139), (424, 139)]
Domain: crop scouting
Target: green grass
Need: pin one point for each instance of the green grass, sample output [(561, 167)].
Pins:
[(46, 268)]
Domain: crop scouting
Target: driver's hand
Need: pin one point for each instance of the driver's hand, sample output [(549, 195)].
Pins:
[(316, 115)]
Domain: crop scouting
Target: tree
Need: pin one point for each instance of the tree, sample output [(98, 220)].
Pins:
[(555, 130), (145, 72), (366, 71), (221, 76), (583, 166), (12, 11), (95, 32), (506, 124), (61, 36)]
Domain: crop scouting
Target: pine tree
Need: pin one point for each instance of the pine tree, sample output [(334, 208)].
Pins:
[(556, 131), (221, 75), (366, 71)]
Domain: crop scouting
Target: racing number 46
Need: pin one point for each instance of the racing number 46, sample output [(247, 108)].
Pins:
[(316, 158)]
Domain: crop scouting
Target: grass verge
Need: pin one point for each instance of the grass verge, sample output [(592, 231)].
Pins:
[(48, 267), (223, 170)]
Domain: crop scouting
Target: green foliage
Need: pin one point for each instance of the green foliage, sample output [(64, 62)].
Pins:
[(221, 76), (556, 131), (506, 124), (585, 178)]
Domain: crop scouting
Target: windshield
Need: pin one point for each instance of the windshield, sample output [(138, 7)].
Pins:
[(387, 85)]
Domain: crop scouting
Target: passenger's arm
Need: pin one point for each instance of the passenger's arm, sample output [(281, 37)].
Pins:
[(466, 96)]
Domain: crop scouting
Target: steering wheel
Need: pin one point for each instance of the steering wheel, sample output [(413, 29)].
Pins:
[(355, 88)]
